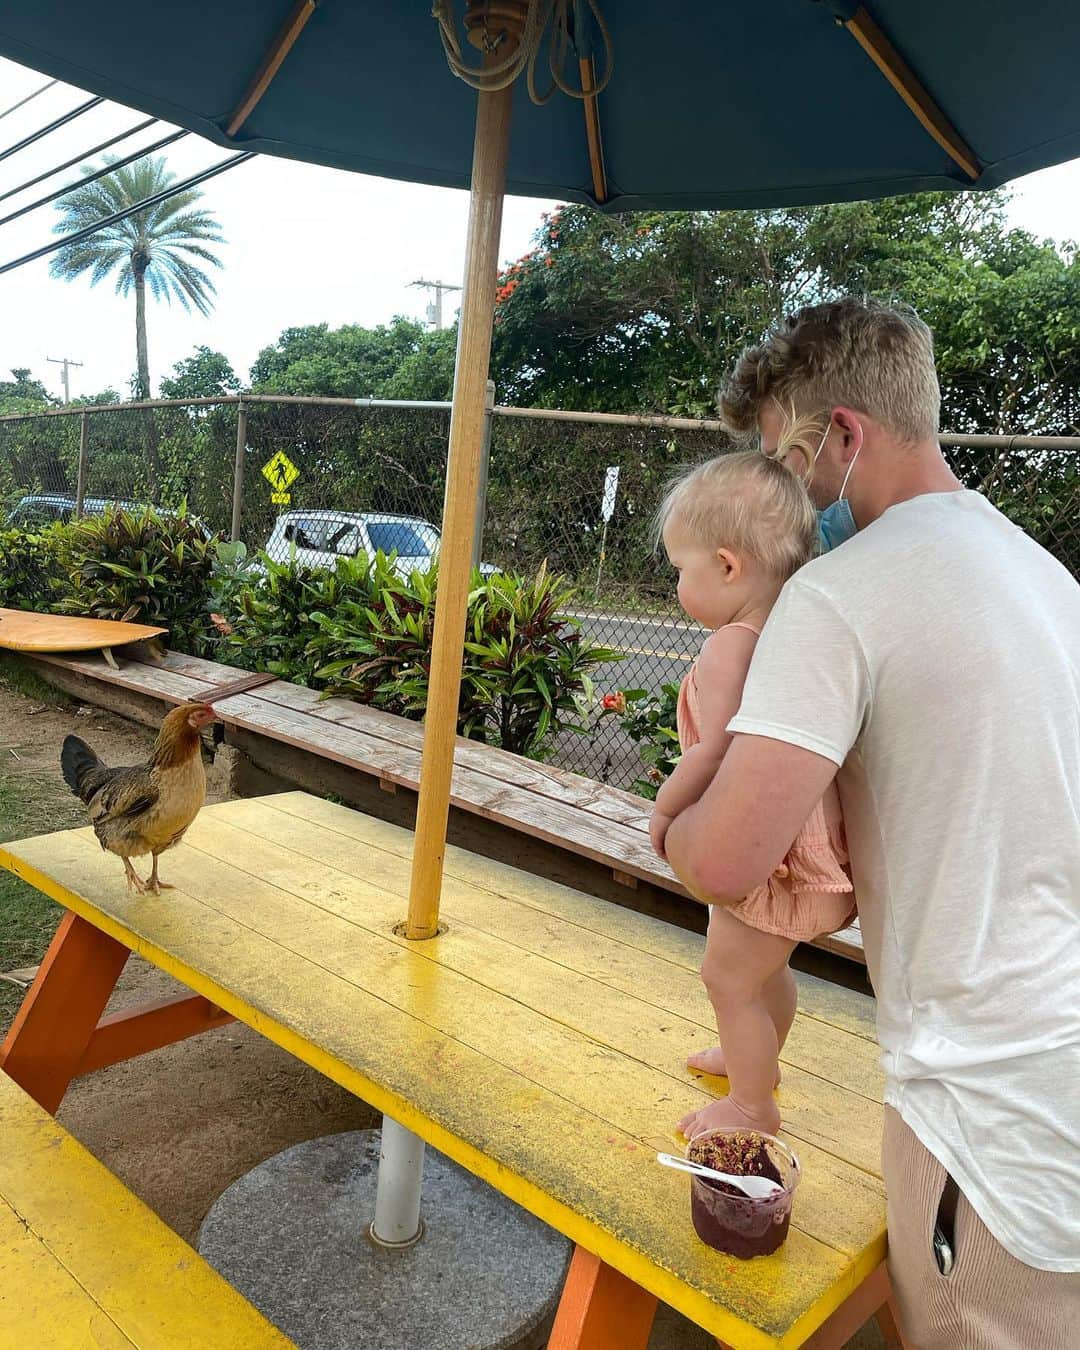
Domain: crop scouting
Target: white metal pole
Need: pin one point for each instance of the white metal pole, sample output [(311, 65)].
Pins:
[(397, 1220)]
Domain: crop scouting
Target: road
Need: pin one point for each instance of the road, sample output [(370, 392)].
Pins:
[(656, 651)]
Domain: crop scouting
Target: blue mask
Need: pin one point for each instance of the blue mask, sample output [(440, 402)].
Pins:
[(836, 524)]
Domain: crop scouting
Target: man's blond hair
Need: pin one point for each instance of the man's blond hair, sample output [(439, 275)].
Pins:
[(877, 359), (746, 503)]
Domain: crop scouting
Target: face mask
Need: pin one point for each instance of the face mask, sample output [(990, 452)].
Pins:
[(836, 524)]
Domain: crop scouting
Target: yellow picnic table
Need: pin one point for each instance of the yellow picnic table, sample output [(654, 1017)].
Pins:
[(540, 1041)]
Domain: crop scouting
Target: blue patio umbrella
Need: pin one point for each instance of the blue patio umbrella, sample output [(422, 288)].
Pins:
[(710, 104), (701, 103)]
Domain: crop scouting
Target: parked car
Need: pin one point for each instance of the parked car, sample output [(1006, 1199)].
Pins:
[(51, 508), (320, 538), (48, 508)]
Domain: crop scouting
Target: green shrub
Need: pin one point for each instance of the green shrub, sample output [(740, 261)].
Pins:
[(30, 573), (649, 720), (272, 618), (526, 669), (141, 567)]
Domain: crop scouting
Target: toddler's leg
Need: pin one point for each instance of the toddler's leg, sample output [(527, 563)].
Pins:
[(740, 967), (780, 994), (781, 997)]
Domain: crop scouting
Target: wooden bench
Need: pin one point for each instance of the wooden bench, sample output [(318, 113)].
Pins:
[(540, 1041), (83, 1262), (570, 813)]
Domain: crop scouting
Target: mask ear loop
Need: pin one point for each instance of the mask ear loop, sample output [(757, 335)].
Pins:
[(854, 457)]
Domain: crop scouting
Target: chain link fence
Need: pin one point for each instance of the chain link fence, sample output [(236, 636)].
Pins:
[(328, 478)]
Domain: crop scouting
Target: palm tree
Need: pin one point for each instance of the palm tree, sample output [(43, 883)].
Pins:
[(158, 248)]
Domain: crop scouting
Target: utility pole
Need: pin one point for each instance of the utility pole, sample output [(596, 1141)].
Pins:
[(434, 310), (66, 362)]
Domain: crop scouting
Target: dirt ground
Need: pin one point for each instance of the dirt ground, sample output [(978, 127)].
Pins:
[(180, 1125)]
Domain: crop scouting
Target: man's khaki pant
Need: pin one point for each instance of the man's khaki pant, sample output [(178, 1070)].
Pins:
[(990, 1300)]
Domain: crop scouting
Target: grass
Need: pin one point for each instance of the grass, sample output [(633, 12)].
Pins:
[(17, 676), (28, 805)]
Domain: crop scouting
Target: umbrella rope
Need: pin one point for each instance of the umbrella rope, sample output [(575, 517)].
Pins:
[(492, 22)]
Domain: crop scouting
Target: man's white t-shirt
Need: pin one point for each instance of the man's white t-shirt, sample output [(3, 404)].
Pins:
[(936, 658)]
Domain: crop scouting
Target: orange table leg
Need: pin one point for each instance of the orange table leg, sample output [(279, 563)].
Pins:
[(889, 1325), (601, 1309), (53, 1027), (872, 1299), (149, 1026)]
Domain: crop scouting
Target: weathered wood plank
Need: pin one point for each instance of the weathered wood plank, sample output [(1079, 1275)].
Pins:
[(531, 925), (84, 1262), (496, 1056), (560, 808)]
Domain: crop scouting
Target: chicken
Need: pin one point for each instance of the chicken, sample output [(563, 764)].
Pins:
[(146, 808)]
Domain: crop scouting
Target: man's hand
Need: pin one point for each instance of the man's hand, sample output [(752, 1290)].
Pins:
[(731, 840), (658, 828)]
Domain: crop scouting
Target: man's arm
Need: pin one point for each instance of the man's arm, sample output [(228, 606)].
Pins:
[(732, 839)]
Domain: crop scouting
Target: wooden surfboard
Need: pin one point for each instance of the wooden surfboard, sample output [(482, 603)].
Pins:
[(25, 631)]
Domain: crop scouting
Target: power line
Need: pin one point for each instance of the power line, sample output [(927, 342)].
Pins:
[(86, 154), (106, 221), (60, 122), (92, 177), (23, 101)]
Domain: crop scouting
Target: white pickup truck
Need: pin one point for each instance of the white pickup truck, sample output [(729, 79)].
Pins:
[(319, 538)]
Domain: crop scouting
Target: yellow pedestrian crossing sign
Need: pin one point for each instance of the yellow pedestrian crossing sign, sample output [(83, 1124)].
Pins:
[(280, 472)]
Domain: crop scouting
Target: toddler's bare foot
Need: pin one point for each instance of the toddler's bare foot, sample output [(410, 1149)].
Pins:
[(765, 1119), (712, 1061)]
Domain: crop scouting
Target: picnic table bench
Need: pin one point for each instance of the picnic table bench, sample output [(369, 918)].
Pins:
[(540, 1042), (568, 812), (83, 1262)]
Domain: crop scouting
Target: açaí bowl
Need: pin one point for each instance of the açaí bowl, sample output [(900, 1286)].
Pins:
[(730, 1221)]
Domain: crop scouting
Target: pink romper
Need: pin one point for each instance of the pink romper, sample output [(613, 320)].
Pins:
[(809, 893)]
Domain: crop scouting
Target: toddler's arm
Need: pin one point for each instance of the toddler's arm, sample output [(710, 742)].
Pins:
[(721, 674)]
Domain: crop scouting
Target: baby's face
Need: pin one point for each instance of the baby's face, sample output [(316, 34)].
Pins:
[(702, 591)]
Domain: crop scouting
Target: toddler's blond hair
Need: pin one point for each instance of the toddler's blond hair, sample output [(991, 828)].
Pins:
[(748, 503)]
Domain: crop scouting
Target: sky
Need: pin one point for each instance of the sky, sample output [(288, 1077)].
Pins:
[(305, 245)]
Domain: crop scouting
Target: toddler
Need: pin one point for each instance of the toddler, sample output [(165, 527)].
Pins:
[(736, 528)]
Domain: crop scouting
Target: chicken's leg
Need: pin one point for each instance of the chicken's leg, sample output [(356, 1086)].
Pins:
[(155, 884), (134, 881)]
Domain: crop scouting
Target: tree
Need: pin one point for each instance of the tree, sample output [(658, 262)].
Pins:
[(159, 248), (397, 360), (204, 374), (24, 394), (649, 311)]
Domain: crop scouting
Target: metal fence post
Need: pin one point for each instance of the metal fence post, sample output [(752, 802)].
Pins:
[(238, 471), (482, 484), (84, 463)]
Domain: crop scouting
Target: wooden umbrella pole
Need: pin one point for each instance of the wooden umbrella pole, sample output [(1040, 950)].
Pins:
[(490, 152)]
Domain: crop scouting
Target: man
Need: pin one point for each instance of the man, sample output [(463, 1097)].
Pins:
[(933, 658)]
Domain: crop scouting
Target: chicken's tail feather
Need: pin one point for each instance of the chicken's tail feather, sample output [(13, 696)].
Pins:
[(81, 767)]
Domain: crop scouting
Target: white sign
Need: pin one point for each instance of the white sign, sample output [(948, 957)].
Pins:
[(611, 486)]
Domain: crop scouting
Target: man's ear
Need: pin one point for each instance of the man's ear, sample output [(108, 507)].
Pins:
[(730, 562), (850, 425)]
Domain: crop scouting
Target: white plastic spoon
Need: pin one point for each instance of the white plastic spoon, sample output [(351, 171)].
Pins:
[(757, 1188)]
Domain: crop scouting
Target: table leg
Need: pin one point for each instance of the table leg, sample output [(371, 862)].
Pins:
[(888, 1324), (53, 1027), (601, 1309), (872, 1299)]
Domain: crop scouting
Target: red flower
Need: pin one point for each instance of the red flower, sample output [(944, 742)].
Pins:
[(615, 703)]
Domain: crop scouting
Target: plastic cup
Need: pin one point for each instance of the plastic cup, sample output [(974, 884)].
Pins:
[(735, 1223)]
